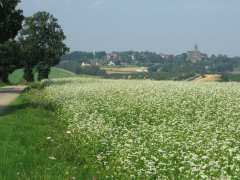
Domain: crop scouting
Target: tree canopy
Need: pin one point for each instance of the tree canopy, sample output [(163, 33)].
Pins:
[(43, 38), (10, 23), (10, 19)]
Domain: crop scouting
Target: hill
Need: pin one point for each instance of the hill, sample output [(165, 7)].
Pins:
[(208, 78), (17, 76)]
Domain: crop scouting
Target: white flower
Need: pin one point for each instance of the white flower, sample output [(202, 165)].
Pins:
[(51, 158), (150, 129), (68, 132), (49, 138)]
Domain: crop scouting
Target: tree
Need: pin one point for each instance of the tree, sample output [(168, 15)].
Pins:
[(9, 55), (10, 19), (10, 23), (44, 39), (100, 54), (29, 59)]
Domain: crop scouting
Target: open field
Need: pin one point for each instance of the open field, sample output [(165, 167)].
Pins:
[(147, 129), (17, 76), (208, 78), (123, 70)]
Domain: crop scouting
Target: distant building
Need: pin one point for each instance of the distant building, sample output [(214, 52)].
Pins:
[(142, 69), (111, 63), (196, 55), (85, 64), (133, 57), (166, 56), (112, 56)]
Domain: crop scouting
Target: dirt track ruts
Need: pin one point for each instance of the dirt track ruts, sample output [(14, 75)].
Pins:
[(8, 94)]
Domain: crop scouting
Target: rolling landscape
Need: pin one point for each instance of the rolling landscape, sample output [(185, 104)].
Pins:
[(117, 113)]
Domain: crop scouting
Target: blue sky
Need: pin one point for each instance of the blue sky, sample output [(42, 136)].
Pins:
[(167, 26)]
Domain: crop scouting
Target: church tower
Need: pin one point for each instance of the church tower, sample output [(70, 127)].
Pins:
[(196, 47), (195, 55)]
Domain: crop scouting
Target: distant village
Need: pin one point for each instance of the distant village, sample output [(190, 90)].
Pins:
[(145, 64), (131, 57)]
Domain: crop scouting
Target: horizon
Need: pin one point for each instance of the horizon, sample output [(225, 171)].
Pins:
[(109, 52), (163, 27)]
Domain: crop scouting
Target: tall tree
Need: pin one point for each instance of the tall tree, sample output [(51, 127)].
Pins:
[(9, 55), (10, 23), (30, 57), (43, 35), (10, 19)]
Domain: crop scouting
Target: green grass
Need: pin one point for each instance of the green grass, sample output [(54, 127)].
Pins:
[(2, 84), (235, 77), (30, 136), (17, 76), (60, 73)]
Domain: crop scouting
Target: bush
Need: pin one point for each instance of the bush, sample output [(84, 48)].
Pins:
[(92, 70)]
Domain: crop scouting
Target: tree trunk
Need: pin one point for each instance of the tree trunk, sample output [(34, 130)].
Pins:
[(28, 74), (4, 77), (43, 73)]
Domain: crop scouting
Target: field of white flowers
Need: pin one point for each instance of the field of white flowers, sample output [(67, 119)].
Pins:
[(152, 130)]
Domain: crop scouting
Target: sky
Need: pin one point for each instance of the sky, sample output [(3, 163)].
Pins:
[(163, 26)]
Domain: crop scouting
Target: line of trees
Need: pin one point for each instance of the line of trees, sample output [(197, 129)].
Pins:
[(181, 67), (33, 43)]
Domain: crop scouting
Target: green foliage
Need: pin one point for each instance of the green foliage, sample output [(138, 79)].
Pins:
[(181, 68), (17, 76), (10, 19), (161, 67), (43, 40), (9, 59), (70, 65), (231, 77), (92, 70), (100, 54), (60, 73), (80, 56), (10, 23), (123, 58)]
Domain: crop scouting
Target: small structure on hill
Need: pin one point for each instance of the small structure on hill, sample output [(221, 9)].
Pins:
[(196, 55), (111, 63), (85, 64)]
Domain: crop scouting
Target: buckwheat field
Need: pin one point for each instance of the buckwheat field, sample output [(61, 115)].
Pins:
[(131, 129)]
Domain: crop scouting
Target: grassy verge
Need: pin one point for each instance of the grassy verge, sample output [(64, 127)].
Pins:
[(34, 145), (17, 76)]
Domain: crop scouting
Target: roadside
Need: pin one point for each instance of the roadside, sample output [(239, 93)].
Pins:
[(8, 94), (34, 144)]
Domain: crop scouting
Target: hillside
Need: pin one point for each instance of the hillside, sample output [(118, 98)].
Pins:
[(184, 66), (17, 76), (208, 78)]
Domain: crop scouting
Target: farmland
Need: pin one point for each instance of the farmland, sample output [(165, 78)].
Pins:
[(149, 129), (17, 76), (124, 70)]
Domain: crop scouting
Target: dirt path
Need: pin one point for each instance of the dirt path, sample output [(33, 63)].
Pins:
[(208, 78), (8, 94)]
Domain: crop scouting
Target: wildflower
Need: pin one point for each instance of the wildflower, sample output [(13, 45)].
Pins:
[(68, 132), (51, 158), (150, 129)]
